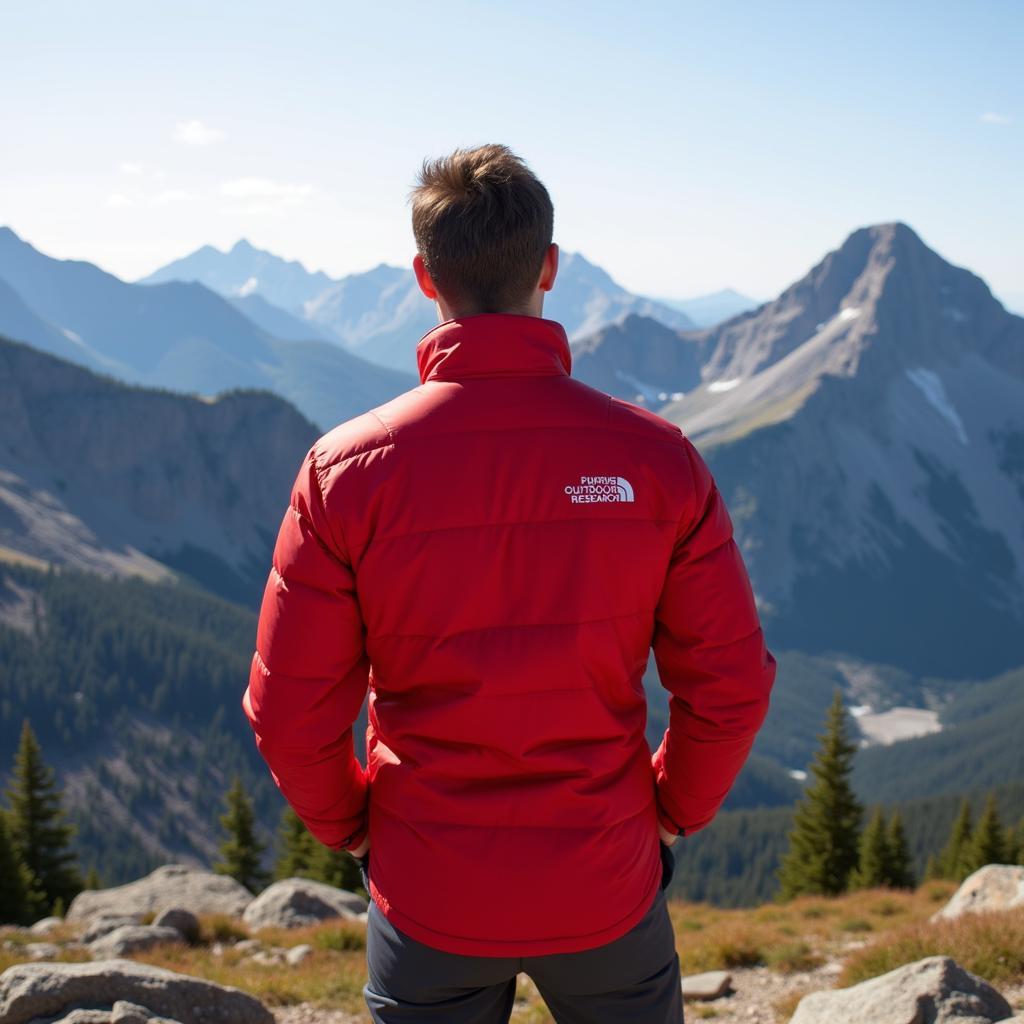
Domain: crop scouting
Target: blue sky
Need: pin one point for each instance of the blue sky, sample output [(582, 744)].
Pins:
[(687, 146)]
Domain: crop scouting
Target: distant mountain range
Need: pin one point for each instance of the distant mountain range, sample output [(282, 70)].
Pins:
[(380, 314), (101, 476), (177, 335), (708, 310)]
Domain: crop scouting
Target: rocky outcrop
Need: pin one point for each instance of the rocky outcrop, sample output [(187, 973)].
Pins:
[(297, 902), (994, 887), (937, 990), (46, 925), (103, 924), (183, 921), (32, 991), (173, 885), (132, 938)]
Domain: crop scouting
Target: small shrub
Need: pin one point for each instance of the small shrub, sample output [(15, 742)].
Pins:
[(793, 956), (990, 945), (813, 912), (856, 924), (887, 908), (221, 928), (342, 939)]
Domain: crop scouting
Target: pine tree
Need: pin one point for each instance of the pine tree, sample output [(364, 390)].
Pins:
[(900, 869), (932, 868), (39, 834), (953, 858), (92, 878), (1015, 844), (296, 847), (241, 852), (337, 868), (872, 870), (823, 843), (987, 841), (16, 896)]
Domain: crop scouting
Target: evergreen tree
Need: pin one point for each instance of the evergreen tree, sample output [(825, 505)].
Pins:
[(823, 843), (241, 852), (987, 845), (92, 878), (900, 869), (953, 858), (16, 896), (337, 868), (872, 870), (39, 834), (932, 868), (1015, 843), (296, 847)]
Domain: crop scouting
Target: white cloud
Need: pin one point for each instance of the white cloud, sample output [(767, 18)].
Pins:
[(195, 133), (172, 195), (119, 200), (266, 189), (130, 167), (990, 117)]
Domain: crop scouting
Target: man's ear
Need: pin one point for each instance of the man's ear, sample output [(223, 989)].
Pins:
[(423, 279), (549, 269)]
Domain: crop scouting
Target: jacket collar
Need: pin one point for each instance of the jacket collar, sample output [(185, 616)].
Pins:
[(494, 345)]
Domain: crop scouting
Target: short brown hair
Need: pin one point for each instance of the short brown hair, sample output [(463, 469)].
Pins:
[(483, 222)]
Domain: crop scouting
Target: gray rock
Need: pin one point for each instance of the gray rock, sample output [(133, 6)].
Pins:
[(125, 1012), (103, 925), (173, 885), (86, 1017), (46, 925), (297, 902), (936, 990), (994, 887), (246, 945), (183, 920), (28, 991), (132, 938), (297, 954), (41, 950), (709, 985)]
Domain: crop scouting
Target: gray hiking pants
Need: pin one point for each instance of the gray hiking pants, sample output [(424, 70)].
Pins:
[(633, 979)]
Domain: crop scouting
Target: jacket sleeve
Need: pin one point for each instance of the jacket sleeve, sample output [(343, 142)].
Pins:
[(711, 656), (310, 671)]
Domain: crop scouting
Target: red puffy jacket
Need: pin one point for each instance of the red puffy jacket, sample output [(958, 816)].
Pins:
[(494, 553)]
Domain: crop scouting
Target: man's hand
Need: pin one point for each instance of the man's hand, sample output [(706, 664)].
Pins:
[(360, 850), (668, 838)]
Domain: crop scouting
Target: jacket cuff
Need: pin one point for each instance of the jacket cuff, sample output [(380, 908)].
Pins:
[(353, 839)]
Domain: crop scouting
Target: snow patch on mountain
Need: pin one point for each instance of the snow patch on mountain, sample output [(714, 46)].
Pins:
[(250, 285), (930, 385)]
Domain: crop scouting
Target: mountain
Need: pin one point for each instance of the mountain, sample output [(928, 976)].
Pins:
[(867, 430), (98, 475), (637, 357), (181, 336), (708, 310), (380, 314), (245, 270)]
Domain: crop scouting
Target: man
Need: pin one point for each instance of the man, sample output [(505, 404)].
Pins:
[(494, 554)]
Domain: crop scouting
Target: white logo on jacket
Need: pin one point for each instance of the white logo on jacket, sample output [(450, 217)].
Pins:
[(600, 488)]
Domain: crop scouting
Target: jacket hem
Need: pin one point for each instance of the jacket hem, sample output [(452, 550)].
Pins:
[(463, 946)]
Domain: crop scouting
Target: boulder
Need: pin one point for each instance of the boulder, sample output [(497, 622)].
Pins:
[(182, 920), (103, 925), (46, 925), (297, 902), (41, 950), (937, 990), (131, 938), (28, 991), (173, 885), (86, 1017), (297, 954), (125, 1012), (994, 887), (709, 985)]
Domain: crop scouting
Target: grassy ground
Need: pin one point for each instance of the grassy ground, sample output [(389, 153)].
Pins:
[(869, 933)]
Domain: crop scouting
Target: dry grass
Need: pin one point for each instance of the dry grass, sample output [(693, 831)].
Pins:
[(989, 945), (786, 937)]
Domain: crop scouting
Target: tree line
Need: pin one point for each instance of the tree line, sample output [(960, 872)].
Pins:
[(831, 850)]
